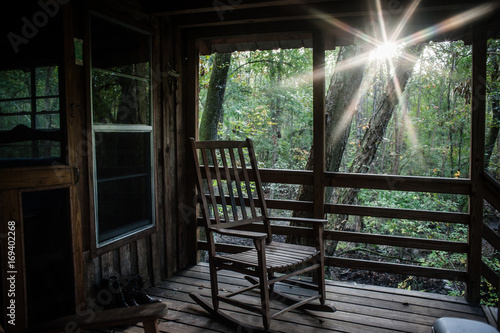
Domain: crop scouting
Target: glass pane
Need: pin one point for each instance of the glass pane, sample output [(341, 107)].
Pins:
[(48, 121), (9, 122), (123, 183), (47, 81), (120, 100), (119, 49), (48, 149), (47, 104), (15, 106), (15, 84), (16, 150)]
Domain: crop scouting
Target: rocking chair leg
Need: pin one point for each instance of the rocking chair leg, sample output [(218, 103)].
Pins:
[(321, 284), (214, 287), (264, 296)]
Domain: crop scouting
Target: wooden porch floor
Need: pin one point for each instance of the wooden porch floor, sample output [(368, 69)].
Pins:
[(360, 308)]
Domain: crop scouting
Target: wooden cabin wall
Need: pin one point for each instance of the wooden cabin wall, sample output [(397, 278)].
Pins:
[(155, 256)]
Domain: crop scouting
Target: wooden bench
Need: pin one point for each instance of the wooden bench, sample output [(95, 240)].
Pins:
[(148, 314)]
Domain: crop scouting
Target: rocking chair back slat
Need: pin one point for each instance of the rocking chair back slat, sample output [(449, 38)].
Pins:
[(238, 183), (232, 188), (220, 185), (229, 183), (247, 181), (211, 192)]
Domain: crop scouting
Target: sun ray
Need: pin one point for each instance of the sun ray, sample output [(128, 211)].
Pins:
[(381, 21), (345, 27), (404, 20), (450, 23), (346, 119)]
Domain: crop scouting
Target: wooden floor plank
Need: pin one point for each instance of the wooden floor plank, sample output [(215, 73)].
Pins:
[(360, 308), (359, 317), (379, 298)]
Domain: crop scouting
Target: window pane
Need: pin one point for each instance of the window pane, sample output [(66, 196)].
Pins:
[(47, 149), (120, 100), (15, 84), (15, 106), (16, 150), (48, 121), (9, 122), (20, 101), (123, 182), (47, 104), (47, 81), (112, 45)]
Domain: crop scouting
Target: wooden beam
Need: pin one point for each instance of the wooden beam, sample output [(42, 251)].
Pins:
[(366, 238), (437, 273), (160, 7), (218, 14), (399, 183), (18, 178), (187, 127), (491, 190), (478, 106), (409, 214), (319, 122), (74, 100)]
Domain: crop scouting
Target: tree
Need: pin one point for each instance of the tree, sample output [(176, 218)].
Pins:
[(376, 128), (494, 92), (213, 110)]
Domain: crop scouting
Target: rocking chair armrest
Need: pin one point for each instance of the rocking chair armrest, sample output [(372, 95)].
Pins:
[(299, 219), (241, 233)]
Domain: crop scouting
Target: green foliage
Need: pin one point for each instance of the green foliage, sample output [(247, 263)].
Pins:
[(269, 98)]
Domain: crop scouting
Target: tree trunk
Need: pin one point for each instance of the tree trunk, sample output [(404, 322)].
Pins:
[(495, 108), (342, 99), (375, 131), (399, 127), (213, 111)]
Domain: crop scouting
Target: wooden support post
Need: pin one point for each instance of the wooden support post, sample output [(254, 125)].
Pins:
[(187, 216), (74, 101), (477, 164), (319, 122)]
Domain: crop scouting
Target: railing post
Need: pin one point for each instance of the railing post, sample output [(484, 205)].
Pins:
[(478, 106), (319, 122)]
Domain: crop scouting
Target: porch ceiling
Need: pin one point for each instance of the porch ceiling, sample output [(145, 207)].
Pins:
[(237, 25)]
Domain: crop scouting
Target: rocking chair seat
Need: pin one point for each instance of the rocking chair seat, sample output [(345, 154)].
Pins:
[(279, 256)]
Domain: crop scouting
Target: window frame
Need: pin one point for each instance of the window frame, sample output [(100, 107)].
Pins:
[(98, 248), (36, 159)]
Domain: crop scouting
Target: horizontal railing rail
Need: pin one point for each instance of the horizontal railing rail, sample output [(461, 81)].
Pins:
[(379, 182)]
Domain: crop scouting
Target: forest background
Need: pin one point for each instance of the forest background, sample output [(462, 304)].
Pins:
[(402, 110)]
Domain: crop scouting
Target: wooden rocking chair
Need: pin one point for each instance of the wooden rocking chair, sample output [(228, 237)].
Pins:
[(232, 199)]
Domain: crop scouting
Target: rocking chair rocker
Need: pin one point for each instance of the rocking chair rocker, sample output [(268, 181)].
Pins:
[(232, 202)]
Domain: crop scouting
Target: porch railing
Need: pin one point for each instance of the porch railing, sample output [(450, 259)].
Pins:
[(391, 183)]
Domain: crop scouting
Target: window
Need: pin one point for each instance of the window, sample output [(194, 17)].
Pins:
[(30, 117), (122, 130)]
